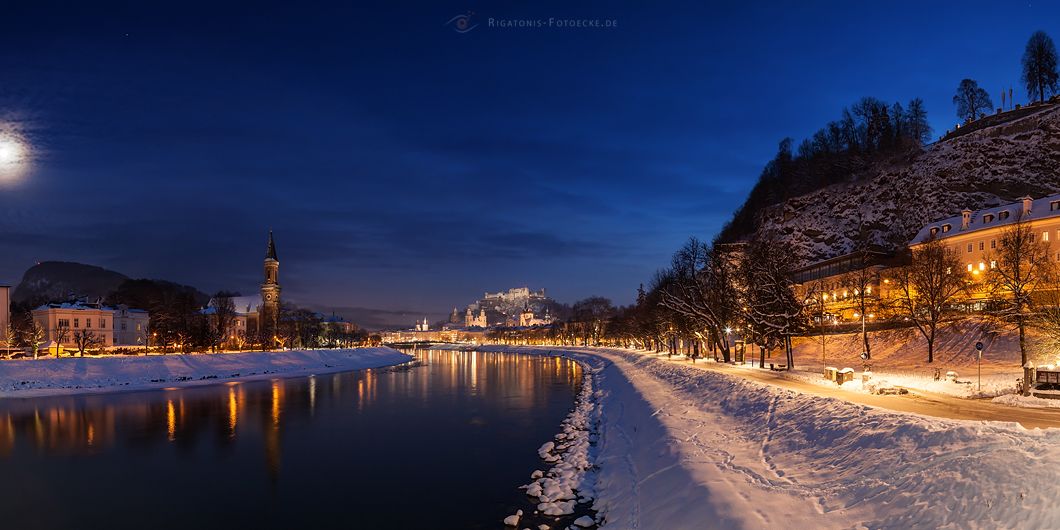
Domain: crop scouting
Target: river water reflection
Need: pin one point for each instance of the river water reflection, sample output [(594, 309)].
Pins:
[(442, 445)]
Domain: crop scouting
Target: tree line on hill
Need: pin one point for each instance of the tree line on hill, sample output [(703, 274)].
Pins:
[(870, 133)]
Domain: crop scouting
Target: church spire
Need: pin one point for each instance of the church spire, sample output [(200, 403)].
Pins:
[(270, 253)]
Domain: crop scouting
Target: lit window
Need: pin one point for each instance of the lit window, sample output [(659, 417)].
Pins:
[(982, 266), (949, 270), (934, 230), (969, 267), (1045, 236), (993, 264), (945, 228)]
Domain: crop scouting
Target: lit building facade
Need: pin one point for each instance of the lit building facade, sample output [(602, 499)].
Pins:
[(130, 326), (61, 321), (975, 236), (5, 311)]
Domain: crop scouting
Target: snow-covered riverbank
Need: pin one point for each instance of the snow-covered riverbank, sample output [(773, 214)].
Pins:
[(682, 447), (69, 375)]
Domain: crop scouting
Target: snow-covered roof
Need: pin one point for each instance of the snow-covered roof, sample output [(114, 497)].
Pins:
[(1043, 208), (73, 306)]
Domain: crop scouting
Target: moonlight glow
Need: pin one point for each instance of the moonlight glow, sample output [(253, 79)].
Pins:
[(14, 158)]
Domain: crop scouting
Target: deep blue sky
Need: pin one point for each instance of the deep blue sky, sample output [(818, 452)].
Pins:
[(405, 166)]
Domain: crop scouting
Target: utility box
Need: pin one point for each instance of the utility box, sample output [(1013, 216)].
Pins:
[(830, 373), (845, 375)]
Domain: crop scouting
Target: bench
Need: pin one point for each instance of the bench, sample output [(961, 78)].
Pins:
[(778, 367)]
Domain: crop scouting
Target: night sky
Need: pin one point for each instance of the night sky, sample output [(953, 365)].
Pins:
[(408, 167)]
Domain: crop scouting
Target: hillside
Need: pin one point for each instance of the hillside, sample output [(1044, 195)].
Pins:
[(887, 205), (52, 281), (60, 280)]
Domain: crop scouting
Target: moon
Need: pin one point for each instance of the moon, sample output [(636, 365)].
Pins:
[(14, 158)]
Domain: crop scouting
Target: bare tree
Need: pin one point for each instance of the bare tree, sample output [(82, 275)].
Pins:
[(224, 314), (928, 286), (84, 339), (1022, 262), (1039, 66), (971, 100), (860, 283), (61, 332), (35, 336), (704, 291), (770, 304)]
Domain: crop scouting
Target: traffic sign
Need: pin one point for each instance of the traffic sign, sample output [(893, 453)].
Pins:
[(979, 346)]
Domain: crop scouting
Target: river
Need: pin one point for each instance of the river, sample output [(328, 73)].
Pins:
[(443, 443)]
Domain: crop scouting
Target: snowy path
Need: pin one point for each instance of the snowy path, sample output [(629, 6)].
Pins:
[(79, 375), (683, 447), (916, 402)]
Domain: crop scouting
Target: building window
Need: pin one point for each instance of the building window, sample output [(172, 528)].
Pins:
[(945, 228), (934, 230), (988, 217), (981, 243), (993, 243), (138, 327), (123, 326), (1001, 216), (993, 264), (64, 322), (102, 323), (1045, 236), (1054, 206), (969, 267), (77, 323), (969, 247), (88, 322)]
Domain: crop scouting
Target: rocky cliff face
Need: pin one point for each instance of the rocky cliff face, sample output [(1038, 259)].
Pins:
[(887, 206)]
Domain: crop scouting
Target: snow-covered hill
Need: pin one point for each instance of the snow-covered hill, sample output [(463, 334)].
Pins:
[(996, 164)]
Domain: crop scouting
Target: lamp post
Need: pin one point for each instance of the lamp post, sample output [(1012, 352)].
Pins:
[(728, 331)]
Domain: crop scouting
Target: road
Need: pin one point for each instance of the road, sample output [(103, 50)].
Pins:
[(916, 402)]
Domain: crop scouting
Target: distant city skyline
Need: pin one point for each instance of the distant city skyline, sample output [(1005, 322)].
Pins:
[(406, 167)]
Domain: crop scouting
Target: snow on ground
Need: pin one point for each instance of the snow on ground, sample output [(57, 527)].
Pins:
[(1016, 400), (682, 447), (899, 358), (72, 375)]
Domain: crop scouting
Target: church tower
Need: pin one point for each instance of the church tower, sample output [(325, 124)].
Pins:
[(270, 290)]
